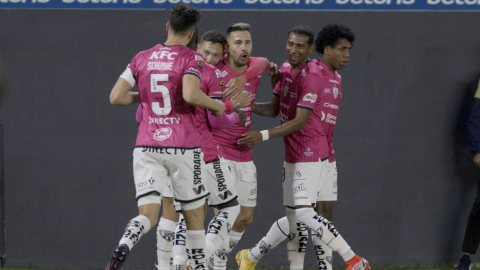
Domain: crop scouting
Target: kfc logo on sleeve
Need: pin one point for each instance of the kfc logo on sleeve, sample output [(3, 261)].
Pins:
[(310, 97)]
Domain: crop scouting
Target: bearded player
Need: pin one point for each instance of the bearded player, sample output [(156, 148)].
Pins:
[(298, 97)]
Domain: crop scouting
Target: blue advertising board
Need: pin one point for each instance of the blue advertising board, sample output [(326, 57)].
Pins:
[(425, 5)]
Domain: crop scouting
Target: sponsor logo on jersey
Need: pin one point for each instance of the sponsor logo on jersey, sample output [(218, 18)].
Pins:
[(338, 74), (335, 92), (160, 66), (334, 81), (289, 80), (285, 91), (283, 117), (287, 65), (162, 134), (151, 181), (323, 116), (308, 152), (310, 97), (197, 171), (253, 191), (164, 121), (332, 119), (218, 92), (304, 73), (285, 106), (220, 73), (163, 55), (328, 105), (298, 174), (200, 65), (327, 90), (198, 58), (221, 83), (247, 84)]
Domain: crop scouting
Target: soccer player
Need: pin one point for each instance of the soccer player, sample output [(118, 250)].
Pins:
[(333, 44), (237, 157), (168, 77), (298, 98), (219, 180)]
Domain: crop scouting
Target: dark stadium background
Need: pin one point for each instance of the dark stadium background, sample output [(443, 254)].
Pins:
[(406, 181)]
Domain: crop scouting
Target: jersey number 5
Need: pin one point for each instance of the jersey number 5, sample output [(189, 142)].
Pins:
[(155, 87)]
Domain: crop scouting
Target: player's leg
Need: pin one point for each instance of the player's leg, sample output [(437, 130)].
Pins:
[(326, 195), (179, 251), (472, 235), (277, 234), (150, 179), (186, 170), (305, 186), (245, 177), (166, 229), (224, 198)]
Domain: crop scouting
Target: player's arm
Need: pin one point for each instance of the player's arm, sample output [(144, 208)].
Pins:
[(269, 109), (122, 93), (195, 97), (256, 67), (252, 138)]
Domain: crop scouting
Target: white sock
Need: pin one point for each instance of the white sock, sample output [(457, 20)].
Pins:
[(179, 250), (323, 252), (277, 234), (220, 257), (196, 249), (325, 230), (234, 239), (297, 241), (219, 228), (165, 237), (135, 229)]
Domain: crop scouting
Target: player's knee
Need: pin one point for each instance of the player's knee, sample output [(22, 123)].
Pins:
[(245, 219)]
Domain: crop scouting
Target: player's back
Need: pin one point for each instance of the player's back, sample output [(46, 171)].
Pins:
[(168, 120)]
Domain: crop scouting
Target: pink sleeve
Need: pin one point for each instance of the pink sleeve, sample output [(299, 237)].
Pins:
[(139, 114), (223, 121), (256, 67)]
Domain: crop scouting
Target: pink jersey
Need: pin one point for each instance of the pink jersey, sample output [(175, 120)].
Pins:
[(168, 120), (211, 86), (227, 139), (331, 100), (302, 89)]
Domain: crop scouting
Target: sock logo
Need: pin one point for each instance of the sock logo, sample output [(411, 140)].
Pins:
[(167, 235), (319, 233), (221, 253), (291, 236), (264, 247), (197, 255), (181, 234), (232, 245), (329, 259), (134, 231), (327, 224)]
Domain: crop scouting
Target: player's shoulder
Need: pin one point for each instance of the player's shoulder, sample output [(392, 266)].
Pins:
[(285, 66)]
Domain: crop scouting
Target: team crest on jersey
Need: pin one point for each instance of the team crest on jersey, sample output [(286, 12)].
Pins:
[(285, 90), (162, 134), (200, 65), (221, 83), (335, 92)]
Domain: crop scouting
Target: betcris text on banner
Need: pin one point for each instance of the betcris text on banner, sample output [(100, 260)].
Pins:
[(433, 5)]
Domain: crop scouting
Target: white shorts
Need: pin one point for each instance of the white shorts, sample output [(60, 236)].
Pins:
[(301, 181), (154, 166), (328, 190), (220, 183), (245, 178)]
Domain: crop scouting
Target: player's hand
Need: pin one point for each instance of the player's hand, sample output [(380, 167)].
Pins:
[(476, 159), (241, 115), (274, 73), (242, 100), (218, 109), (250, 139), (234, 86)]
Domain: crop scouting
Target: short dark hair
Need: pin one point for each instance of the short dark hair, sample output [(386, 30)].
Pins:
[(183, 18), (238, 27), (330, 35), (213, 36), (303, 30)]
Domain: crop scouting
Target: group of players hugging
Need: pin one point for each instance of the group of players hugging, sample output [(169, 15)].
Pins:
[(194, 144)]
